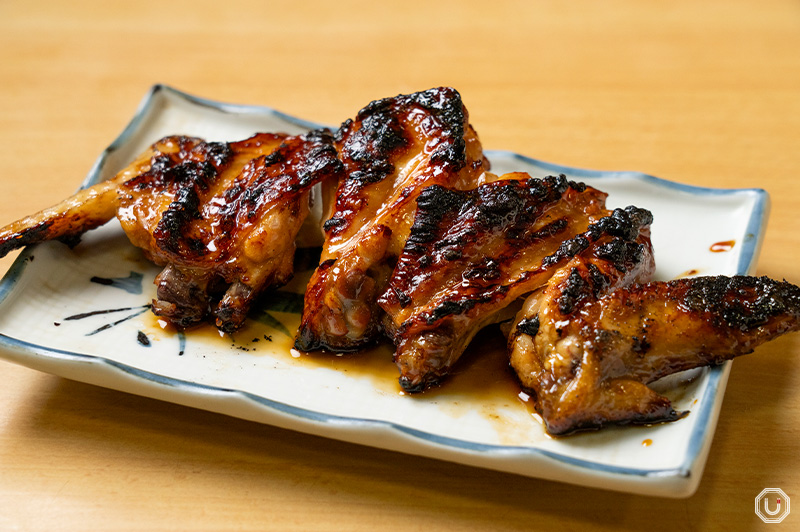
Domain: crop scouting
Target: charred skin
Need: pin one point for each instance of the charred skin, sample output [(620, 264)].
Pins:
[(224, 218), (472, 254), (393, 149), (587, 359), (221, 217)]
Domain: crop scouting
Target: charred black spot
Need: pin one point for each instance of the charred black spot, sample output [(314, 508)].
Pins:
[(529, 326), (332, 223), (598, 279), (219, 153), (483, 272), (320, 159), (283, 175), (452, 254), (549, 188), (191, 173), (414, 249), (578, 186), (449, 308), (452, 154), (37, 233), (548, 231), (620, 253), (368, 147), (160, 163), (499, 205), (437, 201), (445, 106), (574, 288), (143, 339), (624, 223), (293, 167), (487, 269), (568, 249), (434, 204), (277, 156), (741, 302), (169, 231)]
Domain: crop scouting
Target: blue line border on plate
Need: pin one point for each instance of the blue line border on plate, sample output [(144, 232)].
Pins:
[(755, 227), (327, 419)]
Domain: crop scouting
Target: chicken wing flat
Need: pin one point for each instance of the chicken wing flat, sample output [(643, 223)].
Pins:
[(587, 359), (472, 254), (393, 149), (221, 217)]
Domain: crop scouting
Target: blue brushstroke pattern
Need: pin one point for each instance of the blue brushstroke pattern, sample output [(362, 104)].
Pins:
[(131, 284)]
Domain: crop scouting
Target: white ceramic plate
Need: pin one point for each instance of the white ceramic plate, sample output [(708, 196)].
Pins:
[(81, 314)]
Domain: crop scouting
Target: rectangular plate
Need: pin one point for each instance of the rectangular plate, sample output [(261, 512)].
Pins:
[(81, 314)]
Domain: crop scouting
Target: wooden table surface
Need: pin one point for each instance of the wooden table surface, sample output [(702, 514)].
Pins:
[(699, 92)]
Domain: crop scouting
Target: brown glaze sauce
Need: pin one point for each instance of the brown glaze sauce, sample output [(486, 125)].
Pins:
[(481, 380), (723, 246), (482, 373)]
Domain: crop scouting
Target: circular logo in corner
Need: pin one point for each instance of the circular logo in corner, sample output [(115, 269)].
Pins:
[(772, 505)]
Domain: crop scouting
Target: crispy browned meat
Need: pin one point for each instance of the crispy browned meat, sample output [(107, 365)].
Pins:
[(472, 254), (221, 217), (393, 149), (587, 359)]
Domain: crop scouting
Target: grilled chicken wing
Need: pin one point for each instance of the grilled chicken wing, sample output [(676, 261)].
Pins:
[(421, 242), (393, 149), (472, 254), (221, 217), (587, 359)]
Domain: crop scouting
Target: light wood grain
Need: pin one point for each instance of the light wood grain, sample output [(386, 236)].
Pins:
[(706, 93)]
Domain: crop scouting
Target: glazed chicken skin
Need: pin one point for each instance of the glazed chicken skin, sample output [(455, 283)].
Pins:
[(587, 356), (472, 254), (391, 151), (227, 221), (221, 217)]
